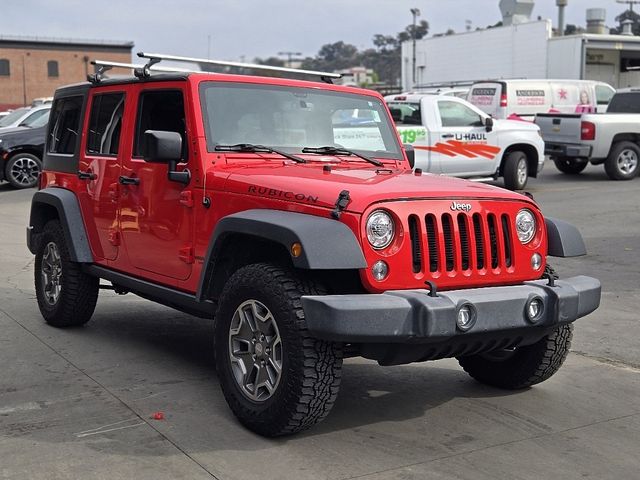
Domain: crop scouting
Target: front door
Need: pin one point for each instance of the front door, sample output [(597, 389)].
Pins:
[(156, 216), (99, 167), (461, 145)]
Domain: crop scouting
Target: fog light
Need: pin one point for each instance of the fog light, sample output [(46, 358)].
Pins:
[(380, 270), (536, 261), (535, 309), (466, 317)]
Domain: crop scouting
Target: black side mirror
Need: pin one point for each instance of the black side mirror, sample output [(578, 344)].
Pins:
[(411, 154), (166, 147), (162, 147), (488, 123)]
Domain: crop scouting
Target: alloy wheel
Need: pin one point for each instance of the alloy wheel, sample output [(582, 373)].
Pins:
[(25, 171), (51, 273)]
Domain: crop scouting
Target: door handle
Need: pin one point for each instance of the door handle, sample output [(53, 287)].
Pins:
[(88, 175), (448, 135), (128, 180)]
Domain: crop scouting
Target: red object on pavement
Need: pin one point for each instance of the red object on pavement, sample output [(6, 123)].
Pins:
[(158, 416)]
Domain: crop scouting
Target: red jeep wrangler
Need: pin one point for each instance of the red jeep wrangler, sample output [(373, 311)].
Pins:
[(288, 212)]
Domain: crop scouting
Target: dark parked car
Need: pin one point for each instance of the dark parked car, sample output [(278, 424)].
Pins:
[(21, 153)]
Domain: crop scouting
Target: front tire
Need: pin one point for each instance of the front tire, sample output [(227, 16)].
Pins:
[(524, 366), (516, 170), (66, 295), (276, 378), (569, 165), (22, 170), (623, 161)]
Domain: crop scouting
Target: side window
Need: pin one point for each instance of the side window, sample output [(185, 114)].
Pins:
[(105, 124), (603, 94), (52, 68), (34, 117), (4, 67), (454, 114), (160, 110), (65, 121)]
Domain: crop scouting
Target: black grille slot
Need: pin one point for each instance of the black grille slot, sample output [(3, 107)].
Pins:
[(493, 240), (432, 240), (506, 234), (464, 240), (416, 246), (477, 230), (447, 231)]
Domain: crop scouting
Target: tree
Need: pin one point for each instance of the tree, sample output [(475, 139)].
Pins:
[(421, 30)]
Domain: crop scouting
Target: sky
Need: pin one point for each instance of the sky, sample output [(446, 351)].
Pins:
[(243, 30)]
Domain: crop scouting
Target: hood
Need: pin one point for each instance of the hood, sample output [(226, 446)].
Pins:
[(311, 184), (515, 125)]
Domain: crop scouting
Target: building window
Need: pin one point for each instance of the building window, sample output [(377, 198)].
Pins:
[(52, 68), (4, 67)]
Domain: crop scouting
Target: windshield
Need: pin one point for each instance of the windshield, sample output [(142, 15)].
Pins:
[(290, 119), (10, 119)]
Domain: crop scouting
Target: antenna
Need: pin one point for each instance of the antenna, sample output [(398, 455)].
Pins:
[(631, 3), (156, 57)]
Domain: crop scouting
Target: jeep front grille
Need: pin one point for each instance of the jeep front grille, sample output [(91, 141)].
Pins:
[(460, 242)]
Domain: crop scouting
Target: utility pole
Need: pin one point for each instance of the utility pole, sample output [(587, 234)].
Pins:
[(289, 56), (629, 2), (416, 13)]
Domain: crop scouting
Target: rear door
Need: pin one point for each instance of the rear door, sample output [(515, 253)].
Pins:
[(486, 96), (464, 148), (99, 167), (156, 214)]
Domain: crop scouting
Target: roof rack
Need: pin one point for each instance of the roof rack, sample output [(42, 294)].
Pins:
[(157, 57), (138, 70)]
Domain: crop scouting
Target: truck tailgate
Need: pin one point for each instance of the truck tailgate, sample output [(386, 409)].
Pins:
[(559, 128)]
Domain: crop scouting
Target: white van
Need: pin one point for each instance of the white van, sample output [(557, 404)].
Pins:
[(526, 98)]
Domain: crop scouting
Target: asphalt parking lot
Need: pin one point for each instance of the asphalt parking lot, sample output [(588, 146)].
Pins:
[(79, 403)]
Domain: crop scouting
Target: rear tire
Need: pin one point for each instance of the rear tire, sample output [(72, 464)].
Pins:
[(516, 170), (22, 170), (276, 377), (623, 161), (569, 165), (66, 295), (525, 366)]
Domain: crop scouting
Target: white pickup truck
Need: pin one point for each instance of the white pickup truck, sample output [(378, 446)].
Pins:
[(612, 138), (450, 136)]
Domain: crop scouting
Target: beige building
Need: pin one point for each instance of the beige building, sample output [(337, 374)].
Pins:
[(33, 67)]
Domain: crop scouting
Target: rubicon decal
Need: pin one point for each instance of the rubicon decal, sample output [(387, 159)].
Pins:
[(453, 148), (283, 194)]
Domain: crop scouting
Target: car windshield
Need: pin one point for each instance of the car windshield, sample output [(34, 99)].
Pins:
[(290, 119), (39, 121), (10, 119)]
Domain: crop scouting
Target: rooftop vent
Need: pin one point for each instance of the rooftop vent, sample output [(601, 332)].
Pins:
[(516, 11), (596, 18)]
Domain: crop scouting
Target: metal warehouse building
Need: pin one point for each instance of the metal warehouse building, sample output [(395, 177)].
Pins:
[(522, 50)]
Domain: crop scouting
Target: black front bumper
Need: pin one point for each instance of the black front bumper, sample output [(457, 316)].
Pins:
[(414, 317), (567, 150)]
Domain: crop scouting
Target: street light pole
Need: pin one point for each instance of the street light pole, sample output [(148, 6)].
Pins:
[(289, 56), (416, 13)]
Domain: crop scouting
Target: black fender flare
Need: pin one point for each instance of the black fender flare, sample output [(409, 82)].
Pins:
[(327, 244), (68, 209), (564, 239)]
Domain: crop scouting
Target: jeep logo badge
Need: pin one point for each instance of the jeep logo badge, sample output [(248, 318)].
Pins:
[(455, 206)]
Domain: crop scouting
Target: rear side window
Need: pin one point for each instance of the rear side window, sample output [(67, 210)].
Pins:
[(628, 102), (65, 121), (105, 124), (405, 113), (603, 94), (160, 110)]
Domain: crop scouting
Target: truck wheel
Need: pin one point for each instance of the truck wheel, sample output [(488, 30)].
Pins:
[(522, 366), (66, 295), (22, 170), (276, 378), (622, 162), (516, 170), (569, 165)]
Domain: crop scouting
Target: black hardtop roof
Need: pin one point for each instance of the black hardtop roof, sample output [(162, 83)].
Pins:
[(81, 87)]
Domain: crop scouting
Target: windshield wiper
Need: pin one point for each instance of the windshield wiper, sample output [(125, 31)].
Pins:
[(340, 151), (251, 148)]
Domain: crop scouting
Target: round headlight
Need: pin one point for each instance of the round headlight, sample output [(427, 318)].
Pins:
[(380, 229), (525, 225)]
